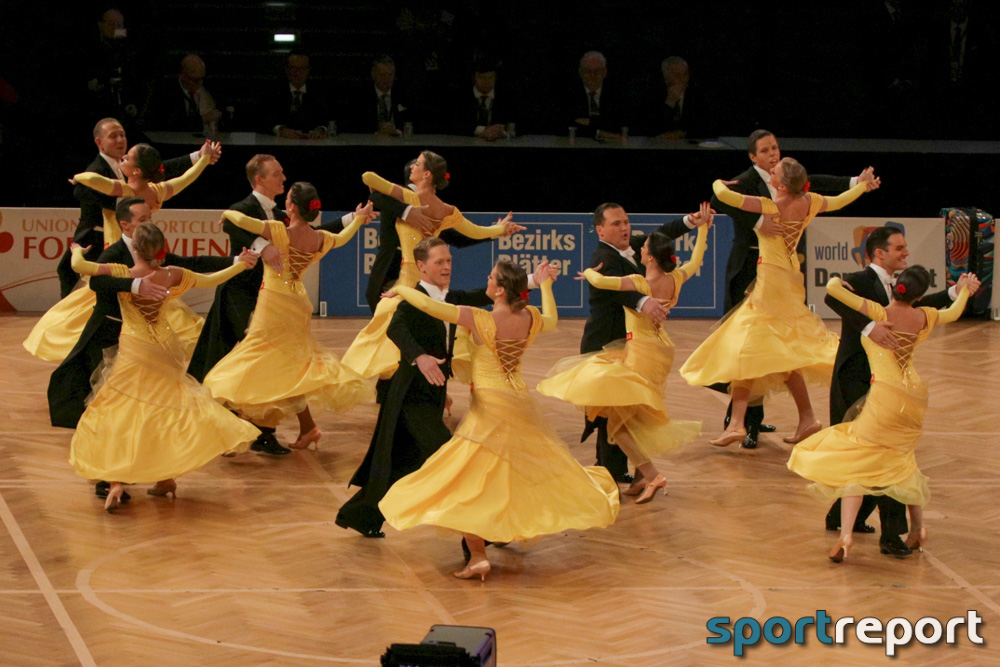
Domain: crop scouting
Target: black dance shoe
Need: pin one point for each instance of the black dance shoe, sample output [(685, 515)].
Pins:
[(266, 443), (892, 545), (750, 442), (858, 528), (767, 428), (373, 533), (624, 478), (101, 491)]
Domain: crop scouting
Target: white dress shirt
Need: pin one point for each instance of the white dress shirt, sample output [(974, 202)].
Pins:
[(629, 255), (489, 97), (438, 294)]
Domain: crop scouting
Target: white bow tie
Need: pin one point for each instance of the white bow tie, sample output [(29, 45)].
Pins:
[(630, 253)]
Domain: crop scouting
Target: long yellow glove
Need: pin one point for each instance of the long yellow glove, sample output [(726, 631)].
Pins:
[(836, 289), (379, 184), (349, 231), (735, 199), (95, 181), (188, 177), (601, 281), (217, 278), (468, 228), (437, 309), (955, 310), (88, 268), (550, 313), (845, 198), (243, 221), (698, 255)]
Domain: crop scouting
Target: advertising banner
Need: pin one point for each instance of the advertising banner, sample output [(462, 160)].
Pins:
[(565, 239), (32, 241), (837, 246)]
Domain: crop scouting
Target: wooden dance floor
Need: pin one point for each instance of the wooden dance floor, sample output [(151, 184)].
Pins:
[(246, 566)]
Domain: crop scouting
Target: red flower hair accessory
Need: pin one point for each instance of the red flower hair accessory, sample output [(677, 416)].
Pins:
[(162, 254), (524, 295), (901, 289), (447, 176), (805, 188), (314, 204), (673, 258), (160, 169)]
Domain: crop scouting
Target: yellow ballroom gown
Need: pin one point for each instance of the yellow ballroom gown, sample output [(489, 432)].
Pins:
[(372, 354), (625, 383), (505, 475), (148, 420), (279, 369), (57, 331), (874, 454), (772, 333)]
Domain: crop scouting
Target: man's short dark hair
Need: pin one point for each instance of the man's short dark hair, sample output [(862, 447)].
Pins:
[(599, 212), (423, 249), (99, 128), (384, 59), (756, 136), (879, 240), (123, 210), (294, 54)]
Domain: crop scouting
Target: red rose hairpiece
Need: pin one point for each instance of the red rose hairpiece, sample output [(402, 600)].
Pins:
[(805, 188), (160, 169), (901, 289), (162, 254), (673, 258), (314, 204), (447, 176), (524, 295)]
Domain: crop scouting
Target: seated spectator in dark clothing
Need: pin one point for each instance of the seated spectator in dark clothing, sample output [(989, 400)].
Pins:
[(676, 113), (484, 113), (382, 108), (594, 110), (299, 108), (184, 104), (109, 69)]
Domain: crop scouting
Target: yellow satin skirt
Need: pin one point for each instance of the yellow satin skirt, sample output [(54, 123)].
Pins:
[(625, 384), (503, 476), (873, 455), (770, 335), (148, 420), (57, 331), (278, 369), (372, 354)]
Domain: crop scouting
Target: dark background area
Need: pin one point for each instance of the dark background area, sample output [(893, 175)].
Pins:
[(802, 70)]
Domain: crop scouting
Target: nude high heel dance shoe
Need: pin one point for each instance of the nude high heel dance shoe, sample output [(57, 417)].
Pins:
[(163, 488), (840, 549), (729, 438), (917, 542), (114, 497), (480, 569), (308, 439), (650, 491), (815, 427)]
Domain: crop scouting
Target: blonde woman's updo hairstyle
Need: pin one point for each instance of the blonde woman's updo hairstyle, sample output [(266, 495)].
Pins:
[(793, 176), (514, 280), (304, 196), (148, 242), (438, 167)]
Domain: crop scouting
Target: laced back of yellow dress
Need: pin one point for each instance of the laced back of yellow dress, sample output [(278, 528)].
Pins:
[(496, 364)]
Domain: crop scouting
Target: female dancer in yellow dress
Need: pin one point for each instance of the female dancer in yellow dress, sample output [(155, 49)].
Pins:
[(58, 330), (874, 454), (772, 340), (279, 370), (149, 421), (504, 475), (372, 354), (626, 384)]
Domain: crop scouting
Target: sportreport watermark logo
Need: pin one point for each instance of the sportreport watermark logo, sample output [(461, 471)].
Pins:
[(895, 633)]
